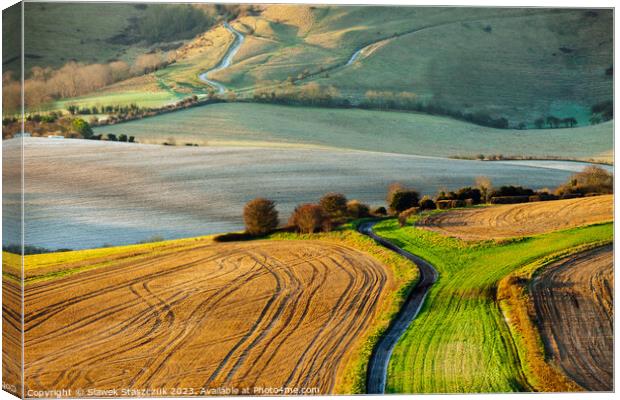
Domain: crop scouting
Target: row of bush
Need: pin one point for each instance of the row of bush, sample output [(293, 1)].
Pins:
[(261, 216), (555, 122)]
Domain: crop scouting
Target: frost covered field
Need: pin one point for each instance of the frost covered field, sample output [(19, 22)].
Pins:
[(81, 194)]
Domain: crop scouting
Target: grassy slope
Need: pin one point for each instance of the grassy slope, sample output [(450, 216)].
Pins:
[(313, 37), (168, 85), (460, 341), (517, 69), (55, 33), (353, 370), (362, 129)]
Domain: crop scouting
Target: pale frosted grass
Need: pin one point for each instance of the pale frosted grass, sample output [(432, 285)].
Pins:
[(83, 194)]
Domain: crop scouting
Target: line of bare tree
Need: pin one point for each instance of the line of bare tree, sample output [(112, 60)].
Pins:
[(73, 79)]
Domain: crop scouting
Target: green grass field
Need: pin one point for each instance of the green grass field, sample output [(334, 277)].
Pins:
[(517, 65), (56, 33), (144, 98), (460, 341), (484, 59), (396, 132)]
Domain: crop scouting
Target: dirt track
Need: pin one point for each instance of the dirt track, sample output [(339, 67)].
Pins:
[(256, 314), (505, 221), (376, 375), (226, 60), (574, 306)]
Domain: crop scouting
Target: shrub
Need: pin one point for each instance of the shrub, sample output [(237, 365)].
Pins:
[(379, 211), (355, 209), (393, 188), (465, 193), (403, 216), (402, 220), (444, 204), (484, 184), (469, 193), (592, 179), (510, 199), (260, 216), (309, 218), (458, 203), (542, 197), (334, 204), (570, 196), (233, 237), (403, 200), (427, 203), (511, 191), (82, 127)]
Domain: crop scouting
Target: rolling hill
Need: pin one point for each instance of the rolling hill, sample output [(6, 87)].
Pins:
[(394, 132), (515, 63)]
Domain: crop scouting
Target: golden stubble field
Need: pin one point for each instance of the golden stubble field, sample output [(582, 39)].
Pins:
[(505, 221), (257, 314), (573, 299)]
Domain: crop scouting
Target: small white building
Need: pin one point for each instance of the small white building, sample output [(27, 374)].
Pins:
[(55, 137)]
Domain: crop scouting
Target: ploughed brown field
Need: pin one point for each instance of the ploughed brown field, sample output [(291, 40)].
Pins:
[(505, 221), (573, 299), (261, 314), (11, 336)]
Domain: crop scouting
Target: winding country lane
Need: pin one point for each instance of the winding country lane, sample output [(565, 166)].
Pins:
[(377, 366), (226, 61)]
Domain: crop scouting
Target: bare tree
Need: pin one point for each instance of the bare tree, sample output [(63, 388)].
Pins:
[(260, 216), (484, 184), (309, 218)]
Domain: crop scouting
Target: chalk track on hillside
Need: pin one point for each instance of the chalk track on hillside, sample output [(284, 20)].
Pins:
[(573, 299), (505, 221), (257, 314)]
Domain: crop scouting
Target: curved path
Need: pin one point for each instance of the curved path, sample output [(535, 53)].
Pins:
[(226, 61), (377, 366)]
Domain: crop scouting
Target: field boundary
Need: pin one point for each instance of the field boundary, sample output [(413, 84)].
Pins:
[(353, 373), (516, 305)]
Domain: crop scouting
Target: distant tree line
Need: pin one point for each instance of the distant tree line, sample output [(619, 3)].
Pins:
[(312, 94), (333, 209), (29, 249), (44, 85)]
